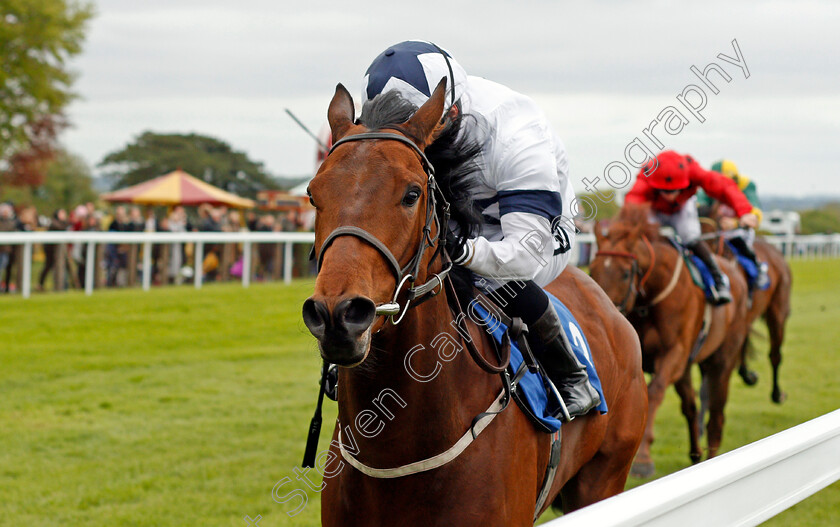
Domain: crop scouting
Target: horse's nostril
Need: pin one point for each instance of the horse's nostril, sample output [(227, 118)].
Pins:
[(355, 315), (316, 316)]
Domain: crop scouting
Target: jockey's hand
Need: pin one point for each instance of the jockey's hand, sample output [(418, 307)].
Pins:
[(749, 220), (728, 223), (457, 254)]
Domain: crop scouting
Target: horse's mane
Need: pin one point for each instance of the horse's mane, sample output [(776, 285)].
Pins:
[(632, 223), (454, 158)]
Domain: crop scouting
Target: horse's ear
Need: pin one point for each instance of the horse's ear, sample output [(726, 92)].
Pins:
[(341, 112), (600, 229), (425, 125)]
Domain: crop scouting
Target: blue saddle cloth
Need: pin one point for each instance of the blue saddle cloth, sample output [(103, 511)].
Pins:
[(542, 403), (708, 281), (748, 266)]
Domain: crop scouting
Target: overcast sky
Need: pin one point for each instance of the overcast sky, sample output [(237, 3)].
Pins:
[(602, 73)]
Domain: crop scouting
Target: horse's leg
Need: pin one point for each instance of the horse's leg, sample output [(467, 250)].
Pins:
[(602, 477), (776, 329), (606, 473), (667, 367), (718, 371), (689, 409), (750, 377)]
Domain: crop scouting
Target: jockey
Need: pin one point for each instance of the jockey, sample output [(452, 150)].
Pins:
[(744, 244), (670, 185), (522, 188)]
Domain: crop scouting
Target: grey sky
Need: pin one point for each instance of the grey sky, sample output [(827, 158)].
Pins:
[(600, 72)]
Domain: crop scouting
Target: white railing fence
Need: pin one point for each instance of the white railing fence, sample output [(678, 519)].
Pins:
[(807, 246), (743, 487), (799, 246), (147, 239)]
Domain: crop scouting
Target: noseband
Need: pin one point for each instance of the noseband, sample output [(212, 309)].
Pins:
[(632, 289), (407, 273)]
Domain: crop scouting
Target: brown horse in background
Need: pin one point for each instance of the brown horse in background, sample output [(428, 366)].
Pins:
[(411, 399), (771, 304), (646, 278)]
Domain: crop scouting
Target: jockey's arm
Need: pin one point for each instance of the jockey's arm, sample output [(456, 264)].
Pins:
[(533, 190), (726, 191), (527, 245)]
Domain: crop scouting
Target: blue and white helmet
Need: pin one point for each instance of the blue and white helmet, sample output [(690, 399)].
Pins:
[(413, 68)]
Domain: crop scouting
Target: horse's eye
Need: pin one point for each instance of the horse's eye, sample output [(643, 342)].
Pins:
[(308, 193), (411, 197), (626, 275)]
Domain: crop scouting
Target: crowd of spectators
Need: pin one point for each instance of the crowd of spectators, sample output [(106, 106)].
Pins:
[(171, 263)]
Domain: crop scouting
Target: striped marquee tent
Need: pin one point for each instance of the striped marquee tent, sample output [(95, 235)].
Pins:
[(177, 188)]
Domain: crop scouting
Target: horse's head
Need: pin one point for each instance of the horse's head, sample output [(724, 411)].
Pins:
[(373, 225), (624, 257)]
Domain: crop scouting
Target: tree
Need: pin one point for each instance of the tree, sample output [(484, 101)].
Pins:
[(825, 219), (602, 209), (68, 183), (37, 37), (207, 158)]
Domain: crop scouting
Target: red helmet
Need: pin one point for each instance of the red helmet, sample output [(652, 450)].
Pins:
[(670, 171)]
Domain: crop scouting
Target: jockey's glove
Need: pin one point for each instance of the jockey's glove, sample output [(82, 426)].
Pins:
[(460, 253)]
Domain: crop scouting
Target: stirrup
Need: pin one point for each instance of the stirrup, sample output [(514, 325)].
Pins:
[(564, 412), (763, 278)]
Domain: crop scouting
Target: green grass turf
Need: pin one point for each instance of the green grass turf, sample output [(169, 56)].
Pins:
[(185, 407)]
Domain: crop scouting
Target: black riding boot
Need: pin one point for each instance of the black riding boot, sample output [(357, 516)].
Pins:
[(565, 369), (546, 336), (744, 248), (720, 292)]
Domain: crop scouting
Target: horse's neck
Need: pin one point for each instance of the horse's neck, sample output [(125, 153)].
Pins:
[(417, 385)]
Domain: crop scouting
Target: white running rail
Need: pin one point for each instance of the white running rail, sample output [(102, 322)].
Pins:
[(800, 246), (740, 488), (146, 239)]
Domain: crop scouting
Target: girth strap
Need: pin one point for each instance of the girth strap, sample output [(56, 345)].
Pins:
[(704, 332), (550, 472)]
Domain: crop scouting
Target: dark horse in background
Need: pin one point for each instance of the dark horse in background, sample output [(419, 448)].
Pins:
[(771, 304), (377, 192), (646, 278)]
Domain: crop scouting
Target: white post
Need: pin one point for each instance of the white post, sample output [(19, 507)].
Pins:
[(287, 262), (90, 267), (246, 264), (199, 264), (26, 287), (147, 266)]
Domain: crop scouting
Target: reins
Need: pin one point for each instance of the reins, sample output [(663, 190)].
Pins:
[(632, 289)]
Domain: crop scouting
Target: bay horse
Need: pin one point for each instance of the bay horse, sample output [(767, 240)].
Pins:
[(406, 394), (645, 276), (771, 304)]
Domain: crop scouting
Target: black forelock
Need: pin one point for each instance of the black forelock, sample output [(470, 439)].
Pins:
[(386, 109), (453, 156)]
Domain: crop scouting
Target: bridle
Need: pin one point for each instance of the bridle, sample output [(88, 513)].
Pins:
[(407, 273), (438, 216), (632, 288)]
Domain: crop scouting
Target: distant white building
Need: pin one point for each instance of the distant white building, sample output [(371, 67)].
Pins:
[(781, 222)]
